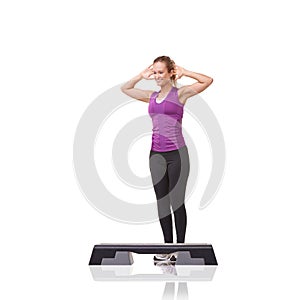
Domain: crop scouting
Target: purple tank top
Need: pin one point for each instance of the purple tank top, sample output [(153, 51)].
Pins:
[(166, 119)]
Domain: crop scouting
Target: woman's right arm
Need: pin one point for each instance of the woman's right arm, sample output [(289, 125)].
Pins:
[(129, 89)]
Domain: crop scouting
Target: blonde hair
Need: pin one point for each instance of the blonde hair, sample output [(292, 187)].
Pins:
[(170, 64)]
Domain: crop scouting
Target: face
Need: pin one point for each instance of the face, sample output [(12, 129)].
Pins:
[(161, 74)]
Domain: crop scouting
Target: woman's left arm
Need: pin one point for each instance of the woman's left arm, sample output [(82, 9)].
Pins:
[(188, 91)]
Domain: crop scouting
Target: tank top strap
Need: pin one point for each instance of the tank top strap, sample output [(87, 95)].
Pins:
[(173, 97), (153, 95)]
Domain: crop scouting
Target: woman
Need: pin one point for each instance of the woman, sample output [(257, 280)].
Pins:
[(169, 158)]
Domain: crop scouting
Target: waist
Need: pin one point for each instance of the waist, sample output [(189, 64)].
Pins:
[(162, 143)]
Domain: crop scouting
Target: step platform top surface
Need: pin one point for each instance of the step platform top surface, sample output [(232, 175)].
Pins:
[(126, 246)]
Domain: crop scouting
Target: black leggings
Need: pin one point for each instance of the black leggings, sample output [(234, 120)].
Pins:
[(169, 172)]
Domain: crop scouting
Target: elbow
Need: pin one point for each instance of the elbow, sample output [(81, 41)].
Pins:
[(123, 89)]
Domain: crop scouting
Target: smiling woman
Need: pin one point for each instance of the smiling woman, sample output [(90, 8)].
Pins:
[(169, 157), (162, 67)]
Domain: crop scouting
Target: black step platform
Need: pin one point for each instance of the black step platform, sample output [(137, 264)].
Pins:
[(121, 254)]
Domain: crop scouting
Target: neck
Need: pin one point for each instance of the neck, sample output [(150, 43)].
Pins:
[(166, 88)]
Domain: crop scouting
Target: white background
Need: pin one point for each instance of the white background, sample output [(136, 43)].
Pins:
[(58, 56)]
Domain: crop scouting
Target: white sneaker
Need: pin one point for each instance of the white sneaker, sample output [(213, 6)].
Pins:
[(162, 257), (166, 257)]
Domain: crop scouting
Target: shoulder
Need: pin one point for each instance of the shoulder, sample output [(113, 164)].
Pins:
[(153, 94)]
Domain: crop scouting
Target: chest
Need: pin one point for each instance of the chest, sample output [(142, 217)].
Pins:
[(165, 107)]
